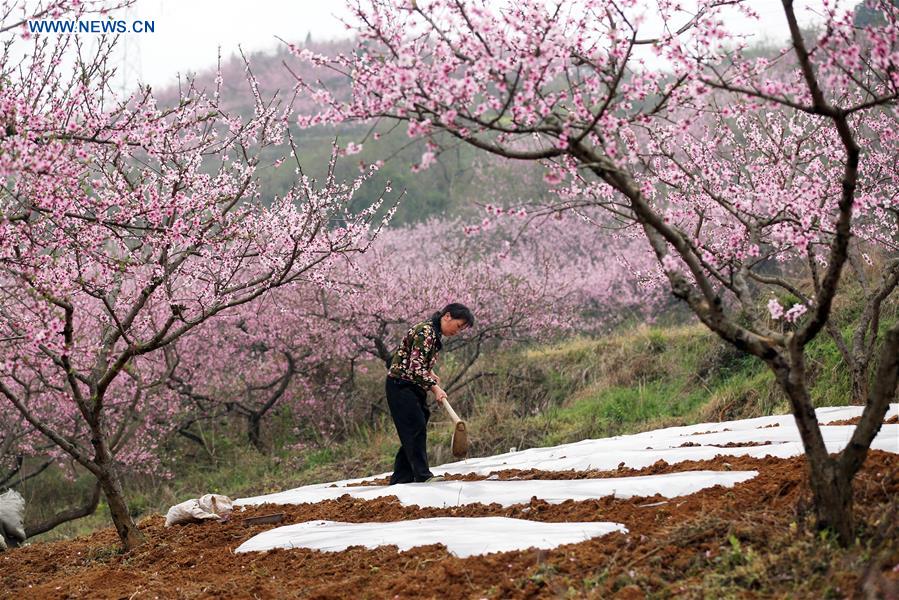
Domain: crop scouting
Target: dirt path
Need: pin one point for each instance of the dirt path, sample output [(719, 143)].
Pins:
[(674, 547)]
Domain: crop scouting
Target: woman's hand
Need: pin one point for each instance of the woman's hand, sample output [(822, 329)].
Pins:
[(439, 394), (435, 377)]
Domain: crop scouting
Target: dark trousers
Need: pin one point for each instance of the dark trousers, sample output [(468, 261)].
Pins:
[(408, 407)]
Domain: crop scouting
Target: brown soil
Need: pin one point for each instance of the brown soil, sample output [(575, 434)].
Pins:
[(741, 444), (855, 421), (708, 432), (852, 421), (672, 549), (727, 445)]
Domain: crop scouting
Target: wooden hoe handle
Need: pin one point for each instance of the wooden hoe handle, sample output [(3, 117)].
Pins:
[(449, 409)]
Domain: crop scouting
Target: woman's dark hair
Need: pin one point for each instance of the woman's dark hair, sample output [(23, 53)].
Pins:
[(456, 311)]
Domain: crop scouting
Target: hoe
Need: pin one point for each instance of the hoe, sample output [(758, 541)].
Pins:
[(460, 434)]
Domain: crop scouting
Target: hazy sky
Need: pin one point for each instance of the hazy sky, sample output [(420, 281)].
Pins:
[(188, 32)]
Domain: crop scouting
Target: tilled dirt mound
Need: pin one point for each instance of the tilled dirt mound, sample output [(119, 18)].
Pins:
[(670, 546)]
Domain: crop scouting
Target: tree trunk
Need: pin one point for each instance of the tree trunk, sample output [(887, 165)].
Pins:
[(831, 486), (254, 433), (832, 492), (860, 386), (128, 532)]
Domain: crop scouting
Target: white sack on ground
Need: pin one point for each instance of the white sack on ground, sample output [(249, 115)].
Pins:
[(12, 519), (207, 506), (461, 536), (507, 493)]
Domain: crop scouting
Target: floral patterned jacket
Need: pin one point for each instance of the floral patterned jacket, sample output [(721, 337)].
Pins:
[(417, 354)]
